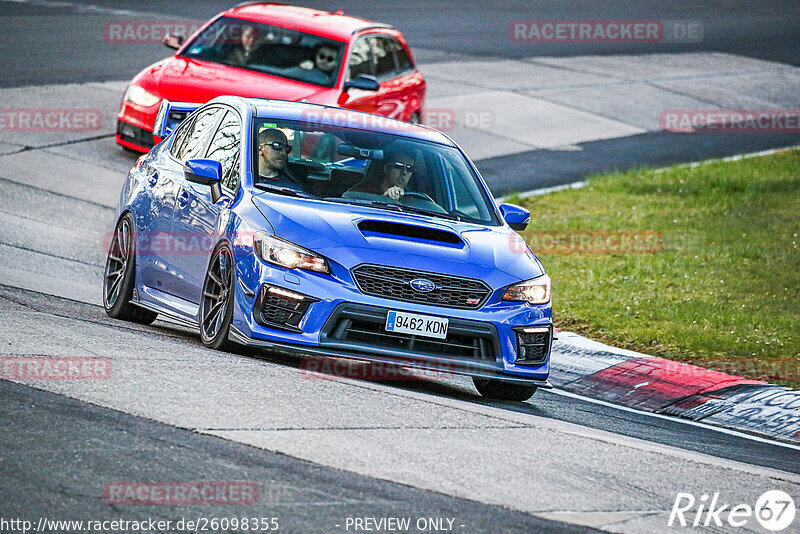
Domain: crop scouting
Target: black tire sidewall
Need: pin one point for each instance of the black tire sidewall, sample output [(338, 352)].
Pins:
[(122, 305), (220, 341)]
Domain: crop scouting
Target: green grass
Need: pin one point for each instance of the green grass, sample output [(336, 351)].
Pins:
[(724, 292)]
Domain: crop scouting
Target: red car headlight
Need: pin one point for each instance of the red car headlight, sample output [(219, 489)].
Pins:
[(140, 97)]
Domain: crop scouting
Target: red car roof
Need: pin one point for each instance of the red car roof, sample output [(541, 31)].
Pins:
[(323, 23)]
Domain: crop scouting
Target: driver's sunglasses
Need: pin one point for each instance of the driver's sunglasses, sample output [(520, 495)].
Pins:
[(326, 57), (407, 167), (277, 145)]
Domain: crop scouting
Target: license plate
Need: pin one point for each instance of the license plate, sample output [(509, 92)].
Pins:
[(414, 323)]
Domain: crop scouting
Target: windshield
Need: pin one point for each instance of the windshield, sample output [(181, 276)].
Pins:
[(346, 165), (269, 49)]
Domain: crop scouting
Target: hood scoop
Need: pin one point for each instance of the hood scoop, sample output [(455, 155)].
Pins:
[(410, 232)]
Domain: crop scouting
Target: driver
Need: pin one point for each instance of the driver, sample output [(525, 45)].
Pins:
[(396, 171), (243, 53), (273, 155)]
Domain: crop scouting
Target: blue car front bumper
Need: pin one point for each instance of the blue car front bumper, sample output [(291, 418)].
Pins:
[(303, 313)]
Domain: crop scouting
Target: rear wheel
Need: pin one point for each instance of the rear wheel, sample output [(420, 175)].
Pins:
[(497, 389), (216, 305), (119, 276)]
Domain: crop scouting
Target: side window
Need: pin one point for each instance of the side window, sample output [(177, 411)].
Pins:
[(180, 137), (224, 148), (197, 136), (384, 58), (402, 58), (360, 59)]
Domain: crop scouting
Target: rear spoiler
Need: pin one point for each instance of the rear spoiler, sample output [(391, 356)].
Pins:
[(170, 115)]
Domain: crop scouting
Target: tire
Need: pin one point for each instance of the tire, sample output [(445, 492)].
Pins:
[(119, 276), (217, 301), (499, 390)]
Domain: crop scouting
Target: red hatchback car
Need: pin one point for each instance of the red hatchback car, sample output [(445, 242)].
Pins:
[(278, 51)]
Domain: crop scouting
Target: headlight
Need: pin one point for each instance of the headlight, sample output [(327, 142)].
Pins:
[(533, 291), (140, 97), (280, 252)]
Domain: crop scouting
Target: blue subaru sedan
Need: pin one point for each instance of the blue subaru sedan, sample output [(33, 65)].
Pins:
[(322, 232)]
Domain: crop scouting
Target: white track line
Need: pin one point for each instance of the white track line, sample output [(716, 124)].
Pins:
[(659, 170), (736, 157), (676, 419)]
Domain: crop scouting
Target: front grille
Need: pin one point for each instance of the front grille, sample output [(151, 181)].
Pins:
[(394, 283), (134, 134), (532, 347), (280, 311), (363, 328)]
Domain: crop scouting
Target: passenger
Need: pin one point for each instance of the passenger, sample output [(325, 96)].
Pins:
[(325, 59), (320, 71)]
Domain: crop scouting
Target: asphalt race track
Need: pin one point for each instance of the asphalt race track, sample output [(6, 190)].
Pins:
[(323, 449)]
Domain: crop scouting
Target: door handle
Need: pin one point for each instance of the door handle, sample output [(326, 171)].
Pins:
[(183, 198)]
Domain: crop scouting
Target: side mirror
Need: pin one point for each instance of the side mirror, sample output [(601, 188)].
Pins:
[(364, 82), (205, 172), (516, 217), (173, 41)]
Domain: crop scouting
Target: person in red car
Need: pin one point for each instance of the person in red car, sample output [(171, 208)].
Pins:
[(282, 52), (322, 67), (244, 53)]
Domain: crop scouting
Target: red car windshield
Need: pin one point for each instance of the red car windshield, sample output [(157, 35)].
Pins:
[(269, 49)]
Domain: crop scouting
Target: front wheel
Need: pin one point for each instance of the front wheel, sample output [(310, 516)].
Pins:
[(119, 276), (216, 304), (499, 390)]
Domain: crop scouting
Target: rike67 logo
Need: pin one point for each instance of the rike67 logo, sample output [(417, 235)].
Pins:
[(774, 511)]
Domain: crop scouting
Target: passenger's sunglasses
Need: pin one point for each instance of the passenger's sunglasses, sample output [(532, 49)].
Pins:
[(407, 167), (277, 145), (326, 57)]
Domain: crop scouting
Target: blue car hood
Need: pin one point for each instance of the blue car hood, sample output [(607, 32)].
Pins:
[(492, 254)]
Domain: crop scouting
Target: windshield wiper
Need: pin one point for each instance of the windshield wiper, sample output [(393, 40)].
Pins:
[(288, 191)]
